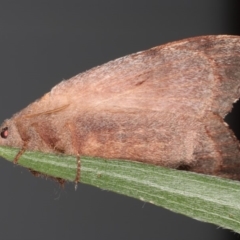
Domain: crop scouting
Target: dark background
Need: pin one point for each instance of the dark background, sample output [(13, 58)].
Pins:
[(44, 42)]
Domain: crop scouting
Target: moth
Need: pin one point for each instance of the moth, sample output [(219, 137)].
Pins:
[(163, 106)]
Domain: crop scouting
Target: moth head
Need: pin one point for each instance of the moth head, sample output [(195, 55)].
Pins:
[(4, 132), (9, 135)]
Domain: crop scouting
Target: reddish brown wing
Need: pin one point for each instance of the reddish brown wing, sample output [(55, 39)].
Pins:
[(159, 106)]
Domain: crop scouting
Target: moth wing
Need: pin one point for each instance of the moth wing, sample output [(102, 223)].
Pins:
[(197, 75)]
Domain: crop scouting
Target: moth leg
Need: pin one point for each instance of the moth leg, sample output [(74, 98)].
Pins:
[(25, 138), (78, 174), (48, 136), (75, 149), (60, 181), (20, 153), (52, 140), (45, 133)]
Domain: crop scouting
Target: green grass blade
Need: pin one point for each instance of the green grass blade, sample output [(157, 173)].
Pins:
[(206, 198)]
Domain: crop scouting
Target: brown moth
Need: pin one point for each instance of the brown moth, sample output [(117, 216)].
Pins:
[(164, 106)]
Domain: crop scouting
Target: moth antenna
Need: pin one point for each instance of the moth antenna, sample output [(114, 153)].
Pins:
[(48, 112)]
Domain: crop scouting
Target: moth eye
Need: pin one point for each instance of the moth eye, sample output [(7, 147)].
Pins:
[(4, 132)]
